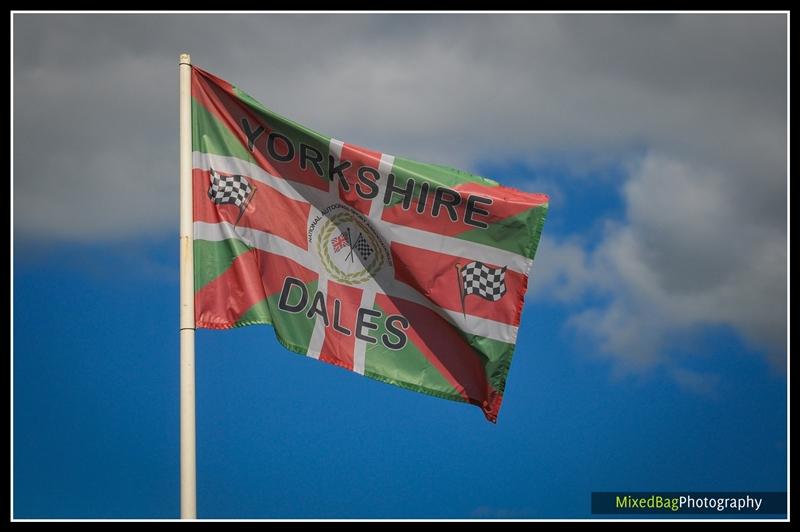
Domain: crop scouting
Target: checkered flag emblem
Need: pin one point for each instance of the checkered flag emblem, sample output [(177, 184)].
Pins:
[(362, 247), (481, 280), (230, 189)]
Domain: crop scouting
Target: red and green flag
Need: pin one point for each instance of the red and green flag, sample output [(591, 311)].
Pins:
[(410, 273)]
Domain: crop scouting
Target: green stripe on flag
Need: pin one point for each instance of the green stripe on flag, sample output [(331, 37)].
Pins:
[(213, 258), (495, 357), (433, 174), (257, 314), (292, 330), (406, 367), (297, 133), (283, 124), (436, 174), (518, 234), (216, 138)]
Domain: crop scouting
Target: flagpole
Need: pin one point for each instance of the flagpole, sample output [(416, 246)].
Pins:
[(187, 324)]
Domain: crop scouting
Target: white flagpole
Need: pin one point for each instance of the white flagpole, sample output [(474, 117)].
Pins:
[(188, 462)]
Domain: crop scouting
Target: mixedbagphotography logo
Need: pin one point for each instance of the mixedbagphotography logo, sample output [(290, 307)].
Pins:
[(724, 503)]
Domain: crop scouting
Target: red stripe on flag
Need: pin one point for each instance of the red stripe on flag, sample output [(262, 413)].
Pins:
[(210, 78), (252, 277), (510, 201), (268, 210), (359, 157), (434, 275), (447, 351), (223, 103), (338, 347), (506, 202)]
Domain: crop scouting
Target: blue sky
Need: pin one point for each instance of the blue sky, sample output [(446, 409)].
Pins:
[(649, 355)]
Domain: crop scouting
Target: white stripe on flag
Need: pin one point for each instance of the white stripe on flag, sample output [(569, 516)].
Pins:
[(232, 165), (383, 283), (360, 351), (318, 334), (452, 246), (335, 148), (257, 239), (384, 169), (389, 231)]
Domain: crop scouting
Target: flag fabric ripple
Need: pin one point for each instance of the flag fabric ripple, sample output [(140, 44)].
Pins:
[(354, 256)]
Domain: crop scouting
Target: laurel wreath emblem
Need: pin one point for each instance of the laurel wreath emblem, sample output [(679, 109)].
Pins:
[(348, 278)]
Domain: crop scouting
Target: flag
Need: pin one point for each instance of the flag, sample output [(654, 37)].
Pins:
[(350, 253), (483, 280), (230, 189), (363, 247)]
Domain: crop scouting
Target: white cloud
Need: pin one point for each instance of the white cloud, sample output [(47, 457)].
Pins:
[(561, 270), (697, 382), (686, 255)]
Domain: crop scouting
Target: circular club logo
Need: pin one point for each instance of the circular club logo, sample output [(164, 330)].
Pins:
[(348, 247)]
